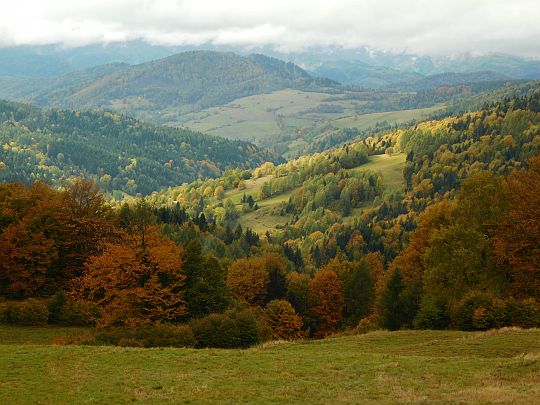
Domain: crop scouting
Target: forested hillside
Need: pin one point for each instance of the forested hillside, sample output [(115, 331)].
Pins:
[(432, 226), (161, 90), (120, 153)]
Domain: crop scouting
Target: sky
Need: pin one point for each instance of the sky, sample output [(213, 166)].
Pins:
[(435, 27)]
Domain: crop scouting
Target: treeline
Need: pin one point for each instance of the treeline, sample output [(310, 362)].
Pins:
[(121, 154), (68, 258), (472, 262)]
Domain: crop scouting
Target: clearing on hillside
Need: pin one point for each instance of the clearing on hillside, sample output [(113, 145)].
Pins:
[(267, 217)]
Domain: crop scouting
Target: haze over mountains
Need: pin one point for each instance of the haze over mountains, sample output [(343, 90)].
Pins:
[(146, 82), (53, 60)]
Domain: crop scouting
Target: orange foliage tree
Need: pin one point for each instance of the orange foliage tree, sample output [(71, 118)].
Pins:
[(281, 317), (326, 301), (248, 280), (46, 235), (136, 284)]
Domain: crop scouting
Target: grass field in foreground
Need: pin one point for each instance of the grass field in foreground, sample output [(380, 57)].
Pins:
[(430, 367)]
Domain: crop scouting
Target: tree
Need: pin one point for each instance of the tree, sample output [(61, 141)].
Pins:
[(390, 306), (219, 192), (137, 220), (277, 284), (47, 236), (326, 302), (358, 290), (298, 292), (517, 238), (248, 280), (206, 290), (398, 303), (136, 284)]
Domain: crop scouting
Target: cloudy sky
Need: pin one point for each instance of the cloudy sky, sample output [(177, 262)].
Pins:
[(419, 26)]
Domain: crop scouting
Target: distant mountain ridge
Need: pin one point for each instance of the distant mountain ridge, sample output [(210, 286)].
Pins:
[(450, 79), (183, 82)]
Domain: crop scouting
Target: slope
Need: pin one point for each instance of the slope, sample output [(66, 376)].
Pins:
[(121, 153), (162, 89)]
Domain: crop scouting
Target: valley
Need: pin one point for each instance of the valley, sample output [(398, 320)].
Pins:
[(198, 212)]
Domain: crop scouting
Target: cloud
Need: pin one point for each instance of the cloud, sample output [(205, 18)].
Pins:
[(419, 26)]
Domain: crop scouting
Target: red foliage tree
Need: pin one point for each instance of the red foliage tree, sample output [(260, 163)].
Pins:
[(517, 240)]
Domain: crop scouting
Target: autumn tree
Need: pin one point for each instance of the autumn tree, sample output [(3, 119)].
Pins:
[(136, 283), (47, 235), (517, 238), (326, 301), (282, 319), (248, 280)]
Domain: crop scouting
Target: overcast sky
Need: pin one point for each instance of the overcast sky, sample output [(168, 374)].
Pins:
[(418, 26)]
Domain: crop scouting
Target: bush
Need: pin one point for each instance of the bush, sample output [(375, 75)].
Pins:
[(525, 313), (366, 325), (157, 335), (470, 312), (433, 314), (71, 312), (30, 312), (282, 319), (479, 311), (498, 315), (232, 329)]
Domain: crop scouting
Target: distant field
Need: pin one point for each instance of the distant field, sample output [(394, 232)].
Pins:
[(263, 117), (364, 121), (257, 117), (427, 367)]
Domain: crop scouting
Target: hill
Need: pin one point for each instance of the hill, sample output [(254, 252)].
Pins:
[(377, 368), (315, 199), (120, 153), (450, 79), (177, 84)]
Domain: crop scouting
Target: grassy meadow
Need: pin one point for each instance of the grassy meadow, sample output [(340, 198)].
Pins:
[(427, 367), (262, 117)]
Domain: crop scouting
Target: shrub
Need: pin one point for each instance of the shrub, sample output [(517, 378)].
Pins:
[(526, 313), (462, 315), (433, 314), (55, 306), (215, 330), (365, 325), (232, 329), (157, 335), (499, 314), (283, 321), (71, 312), (30, 312)]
